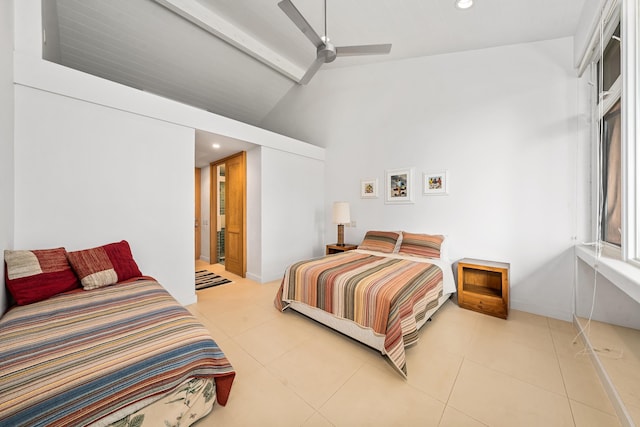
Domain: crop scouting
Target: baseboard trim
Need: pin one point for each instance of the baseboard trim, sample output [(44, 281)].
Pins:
[(253, 277), (554, 312), (618, 405)]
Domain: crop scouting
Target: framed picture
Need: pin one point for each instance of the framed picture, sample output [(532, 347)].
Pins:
[(399, 186), (369, 188), (435, 183)]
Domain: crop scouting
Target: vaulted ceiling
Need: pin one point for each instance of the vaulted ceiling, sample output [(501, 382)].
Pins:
[(238, 58)]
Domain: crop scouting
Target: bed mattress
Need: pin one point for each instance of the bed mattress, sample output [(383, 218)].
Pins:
[(387, 296), (83, 356)]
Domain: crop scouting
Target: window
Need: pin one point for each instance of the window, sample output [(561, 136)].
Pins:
[(615, 71), (611, 149), (608, 72), (609, 66)]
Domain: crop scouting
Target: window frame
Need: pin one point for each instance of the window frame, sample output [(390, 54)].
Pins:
[(601, 105), (630, 21), (625, 89), (606, 149)]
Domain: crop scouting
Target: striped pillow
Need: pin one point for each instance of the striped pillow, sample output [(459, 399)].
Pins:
[(380, 241), (33, 276), (425, 245), (104, 265)]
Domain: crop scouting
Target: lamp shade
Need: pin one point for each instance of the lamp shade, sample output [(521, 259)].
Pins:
[(341, 214)]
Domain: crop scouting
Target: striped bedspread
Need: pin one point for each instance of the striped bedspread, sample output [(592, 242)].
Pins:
[(78, 357), (388, 295)]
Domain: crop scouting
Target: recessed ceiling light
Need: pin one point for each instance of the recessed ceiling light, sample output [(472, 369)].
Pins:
[(216, 146), (464, 4)]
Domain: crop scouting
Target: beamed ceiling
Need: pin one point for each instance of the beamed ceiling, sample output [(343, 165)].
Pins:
[(238, 58)]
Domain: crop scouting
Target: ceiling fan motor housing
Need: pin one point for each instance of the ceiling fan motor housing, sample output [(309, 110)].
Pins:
[(328, 51)]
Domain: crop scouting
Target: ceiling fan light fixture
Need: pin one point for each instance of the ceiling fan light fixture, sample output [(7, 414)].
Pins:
[(464, 4)]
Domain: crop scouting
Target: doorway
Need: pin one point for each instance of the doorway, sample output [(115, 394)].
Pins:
[(228, 213)]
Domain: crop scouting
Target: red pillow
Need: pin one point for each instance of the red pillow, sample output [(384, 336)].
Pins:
[(104, 265), (33, 276)]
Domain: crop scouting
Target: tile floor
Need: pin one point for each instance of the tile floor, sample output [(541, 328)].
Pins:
[(468, 369), (618, 349)]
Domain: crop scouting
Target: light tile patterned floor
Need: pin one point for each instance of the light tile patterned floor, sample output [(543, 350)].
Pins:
[(467, 369), (618, 349)]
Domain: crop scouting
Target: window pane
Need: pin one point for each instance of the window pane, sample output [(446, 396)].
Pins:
[(612, 177), (610, 62)]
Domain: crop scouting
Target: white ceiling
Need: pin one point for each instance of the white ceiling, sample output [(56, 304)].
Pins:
[(143, 44), (207, 153)]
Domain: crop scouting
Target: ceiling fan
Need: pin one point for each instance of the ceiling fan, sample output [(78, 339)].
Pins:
[(325, 50)]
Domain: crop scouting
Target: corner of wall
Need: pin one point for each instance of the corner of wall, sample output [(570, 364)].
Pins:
[(254, 214), (188, 301), (6, 137), (254, 277)]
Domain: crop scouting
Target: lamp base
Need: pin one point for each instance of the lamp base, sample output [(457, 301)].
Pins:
[(340, 235)]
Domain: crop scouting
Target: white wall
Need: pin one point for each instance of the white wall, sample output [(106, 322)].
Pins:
[(68, 93), (86, 175), (254, 214), (291, 211), (611, 304), (505, 122), (6, 137)]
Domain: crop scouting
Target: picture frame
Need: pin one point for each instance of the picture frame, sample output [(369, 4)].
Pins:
[(369, 188), (435, 183), (399, 186)]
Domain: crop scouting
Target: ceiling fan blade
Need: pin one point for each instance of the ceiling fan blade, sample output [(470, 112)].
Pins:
[(294, 14), (313, 69), (369, 49)]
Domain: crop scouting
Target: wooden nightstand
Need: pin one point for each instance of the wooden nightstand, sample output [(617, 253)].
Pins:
[(335, 249), (483, 286)]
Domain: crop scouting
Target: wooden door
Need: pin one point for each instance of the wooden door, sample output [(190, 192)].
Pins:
[(197, 213), (235, 211)]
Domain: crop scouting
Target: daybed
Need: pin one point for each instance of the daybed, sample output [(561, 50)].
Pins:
[(379, 294), (125, 353)]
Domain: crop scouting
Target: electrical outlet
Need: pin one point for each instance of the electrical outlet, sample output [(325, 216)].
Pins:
[(352, 224)]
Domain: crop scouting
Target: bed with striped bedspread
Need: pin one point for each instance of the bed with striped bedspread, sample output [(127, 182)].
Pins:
[(82, 356), (388, 295)]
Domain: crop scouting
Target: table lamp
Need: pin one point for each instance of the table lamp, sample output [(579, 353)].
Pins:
[(341, 217)]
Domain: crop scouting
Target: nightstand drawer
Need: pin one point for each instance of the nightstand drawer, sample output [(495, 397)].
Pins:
[(494, 306)]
